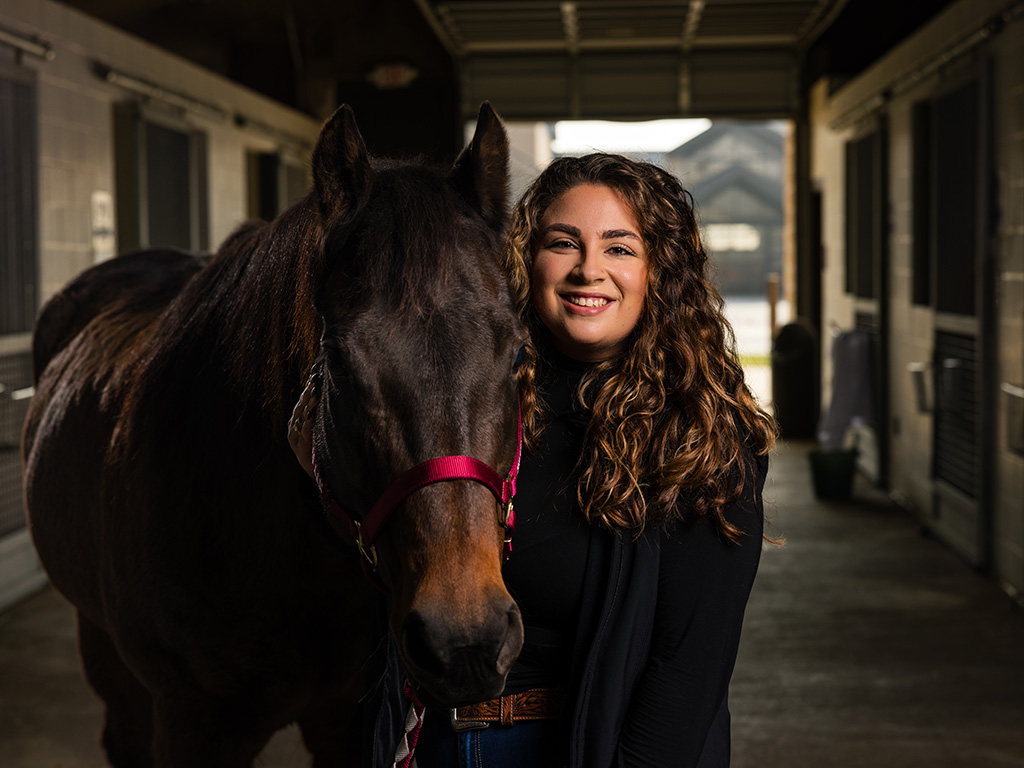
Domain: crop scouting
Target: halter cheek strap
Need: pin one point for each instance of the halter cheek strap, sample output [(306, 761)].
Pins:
[(364, 532)]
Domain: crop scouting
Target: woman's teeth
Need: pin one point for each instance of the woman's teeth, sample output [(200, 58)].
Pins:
[(587, 301)]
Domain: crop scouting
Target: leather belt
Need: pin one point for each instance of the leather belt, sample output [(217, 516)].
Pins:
[(534, 704)]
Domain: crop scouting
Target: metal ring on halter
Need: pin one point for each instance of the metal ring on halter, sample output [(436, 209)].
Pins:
[(370, 553), (508, 522)]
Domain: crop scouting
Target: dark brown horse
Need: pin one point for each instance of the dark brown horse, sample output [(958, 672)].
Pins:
[(215, 603)]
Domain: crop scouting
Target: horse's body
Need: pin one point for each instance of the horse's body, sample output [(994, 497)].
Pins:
[(214, 604)]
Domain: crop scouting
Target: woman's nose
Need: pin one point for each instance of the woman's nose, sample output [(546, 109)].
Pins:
[(588, 267)]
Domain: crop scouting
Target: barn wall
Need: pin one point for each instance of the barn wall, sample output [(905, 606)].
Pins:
[(73, 164), (970, 42)]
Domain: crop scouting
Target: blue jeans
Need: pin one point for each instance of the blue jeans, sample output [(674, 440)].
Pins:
[(536, 744)]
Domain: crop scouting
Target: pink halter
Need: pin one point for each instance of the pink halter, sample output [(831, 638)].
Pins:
[(432, 471)]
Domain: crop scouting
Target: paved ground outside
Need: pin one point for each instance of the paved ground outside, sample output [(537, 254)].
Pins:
[(750, 320)]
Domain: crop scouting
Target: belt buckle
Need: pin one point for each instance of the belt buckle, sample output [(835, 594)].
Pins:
[(459, 726)]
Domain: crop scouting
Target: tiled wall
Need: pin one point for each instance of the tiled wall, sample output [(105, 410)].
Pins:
[(1008, 51), (828, 175), (75, 159), (911, 429), (76, 132)]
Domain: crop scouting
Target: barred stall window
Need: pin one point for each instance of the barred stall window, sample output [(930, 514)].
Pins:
[(15, 394), (19, 220), (956, 192), (921, 186), (161, 171), (863, 201), (19, 278), (956, 449)]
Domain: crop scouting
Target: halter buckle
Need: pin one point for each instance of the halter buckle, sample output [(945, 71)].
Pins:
[(508, 520), (368, 552)]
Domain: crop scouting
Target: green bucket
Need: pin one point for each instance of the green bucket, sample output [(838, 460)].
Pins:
[(832, 472)]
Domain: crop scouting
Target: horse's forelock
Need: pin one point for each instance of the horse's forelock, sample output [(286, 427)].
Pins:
[(418, 237)]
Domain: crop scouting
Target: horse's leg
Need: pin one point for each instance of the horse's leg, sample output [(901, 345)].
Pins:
[(195, 730), (334, 739), (128, 729)]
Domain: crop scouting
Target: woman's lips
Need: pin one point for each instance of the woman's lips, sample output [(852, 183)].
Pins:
[(585, 304)]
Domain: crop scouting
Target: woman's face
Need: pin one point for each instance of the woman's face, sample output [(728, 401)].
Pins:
[(589, 273)]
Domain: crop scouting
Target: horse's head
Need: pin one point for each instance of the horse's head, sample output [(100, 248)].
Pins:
[(419, 344)]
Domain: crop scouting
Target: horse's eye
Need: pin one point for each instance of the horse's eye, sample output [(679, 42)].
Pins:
[(336, 365), (520, 357)]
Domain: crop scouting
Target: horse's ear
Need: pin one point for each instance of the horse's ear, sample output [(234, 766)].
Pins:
[(480, 173), (341, 165)]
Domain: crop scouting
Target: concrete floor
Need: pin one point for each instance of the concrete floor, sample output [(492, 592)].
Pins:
[(865, 644)]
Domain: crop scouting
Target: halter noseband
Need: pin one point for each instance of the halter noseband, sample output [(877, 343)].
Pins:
[(438, 470)]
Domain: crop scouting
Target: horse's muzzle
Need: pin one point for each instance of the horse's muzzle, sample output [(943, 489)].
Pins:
[(458, 664)]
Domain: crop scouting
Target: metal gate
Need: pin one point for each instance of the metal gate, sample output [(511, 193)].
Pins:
[(20, 572)]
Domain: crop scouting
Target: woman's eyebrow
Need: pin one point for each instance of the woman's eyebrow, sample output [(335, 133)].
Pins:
[(569, 229), (612, 234), (608, 234)]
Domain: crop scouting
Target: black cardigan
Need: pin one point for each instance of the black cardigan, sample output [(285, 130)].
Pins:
[(663, 615)]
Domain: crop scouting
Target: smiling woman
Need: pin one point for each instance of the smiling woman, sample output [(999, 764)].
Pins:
[(639, 514), (589, 273)]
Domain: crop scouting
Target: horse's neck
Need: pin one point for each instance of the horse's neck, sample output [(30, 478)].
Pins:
[(265, 325)]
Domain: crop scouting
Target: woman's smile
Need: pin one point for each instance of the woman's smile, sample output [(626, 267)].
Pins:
[(590, 272), (579, 301)]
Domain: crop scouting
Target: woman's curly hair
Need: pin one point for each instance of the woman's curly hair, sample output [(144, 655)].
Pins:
[(671, 414)]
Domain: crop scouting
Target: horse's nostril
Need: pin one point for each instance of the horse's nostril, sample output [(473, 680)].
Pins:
[(460, 663), (513, 642), (419, 647)]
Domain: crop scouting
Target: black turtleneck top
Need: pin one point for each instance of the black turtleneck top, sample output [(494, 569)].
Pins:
[(641, 631), (549, 551)]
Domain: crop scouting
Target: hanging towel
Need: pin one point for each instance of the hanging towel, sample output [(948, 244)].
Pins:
[(852, 402)]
